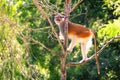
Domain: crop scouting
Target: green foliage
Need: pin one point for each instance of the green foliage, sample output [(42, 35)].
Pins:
[(22, 58), (113, 5), (110, 30)]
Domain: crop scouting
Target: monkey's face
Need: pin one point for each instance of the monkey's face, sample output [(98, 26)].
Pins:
[(59, 19)]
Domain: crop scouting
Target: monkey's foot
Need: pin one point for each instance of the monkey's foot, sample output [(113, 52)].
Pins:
[(83, 60), (87, 58), (61, 38)]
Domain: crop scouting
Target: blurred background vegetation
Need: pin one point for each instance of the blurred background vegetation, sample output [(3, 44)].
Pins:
[(23, 29)]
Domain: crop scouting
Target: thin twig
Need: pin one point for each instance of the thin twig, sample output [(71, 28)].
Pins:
[(5, 19), (82, 62), (37, 42), (38, 29), (49, 6), (42, 45), (78, 2), (51, 25)]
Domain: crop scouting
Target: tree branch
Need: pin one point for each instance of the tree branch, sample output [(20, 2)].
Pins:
[(37, 42), (5, 19), (41, 44), (38, 29), (51, 25), (78, 2), (51, 7), (82, 62)]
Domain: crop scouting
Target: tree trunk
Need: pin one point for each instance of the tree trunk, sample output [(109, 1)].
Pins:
[(63, 68), (65, 44)]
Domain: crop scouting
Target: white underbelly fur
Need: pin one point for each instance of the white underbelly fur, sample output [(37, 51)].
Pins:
[(82, 40)]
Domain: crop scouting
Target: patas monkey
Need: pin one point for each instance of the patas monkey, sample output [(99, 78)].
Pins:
[(77, 34)]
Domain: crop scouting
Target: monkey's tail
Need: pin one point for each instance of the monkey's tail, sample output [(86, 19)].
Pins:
[(96, 55)]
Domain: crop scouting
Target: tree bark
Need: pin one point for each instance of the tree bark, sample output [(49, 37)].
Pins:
[(65, 44), (63, 68)]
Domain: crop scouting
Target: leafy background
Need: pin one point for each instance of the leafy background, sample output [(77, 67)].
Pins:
[(23, 29)]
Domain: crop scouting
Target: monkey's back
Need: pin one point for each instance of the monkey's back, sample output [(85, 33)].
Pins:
[(79, 30)]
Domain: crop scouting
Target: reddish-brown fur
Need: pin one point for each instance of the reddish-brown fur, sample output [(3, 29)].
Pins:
[(78, 30)]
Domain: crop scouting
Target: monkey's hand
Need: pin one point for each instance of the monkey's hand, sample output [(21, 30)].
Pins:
[(61, 38)]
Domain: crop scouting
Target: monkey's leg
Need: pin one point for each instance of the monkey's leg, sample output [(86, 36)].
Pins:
[(84, 51), (72, 45), (89, 45)]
